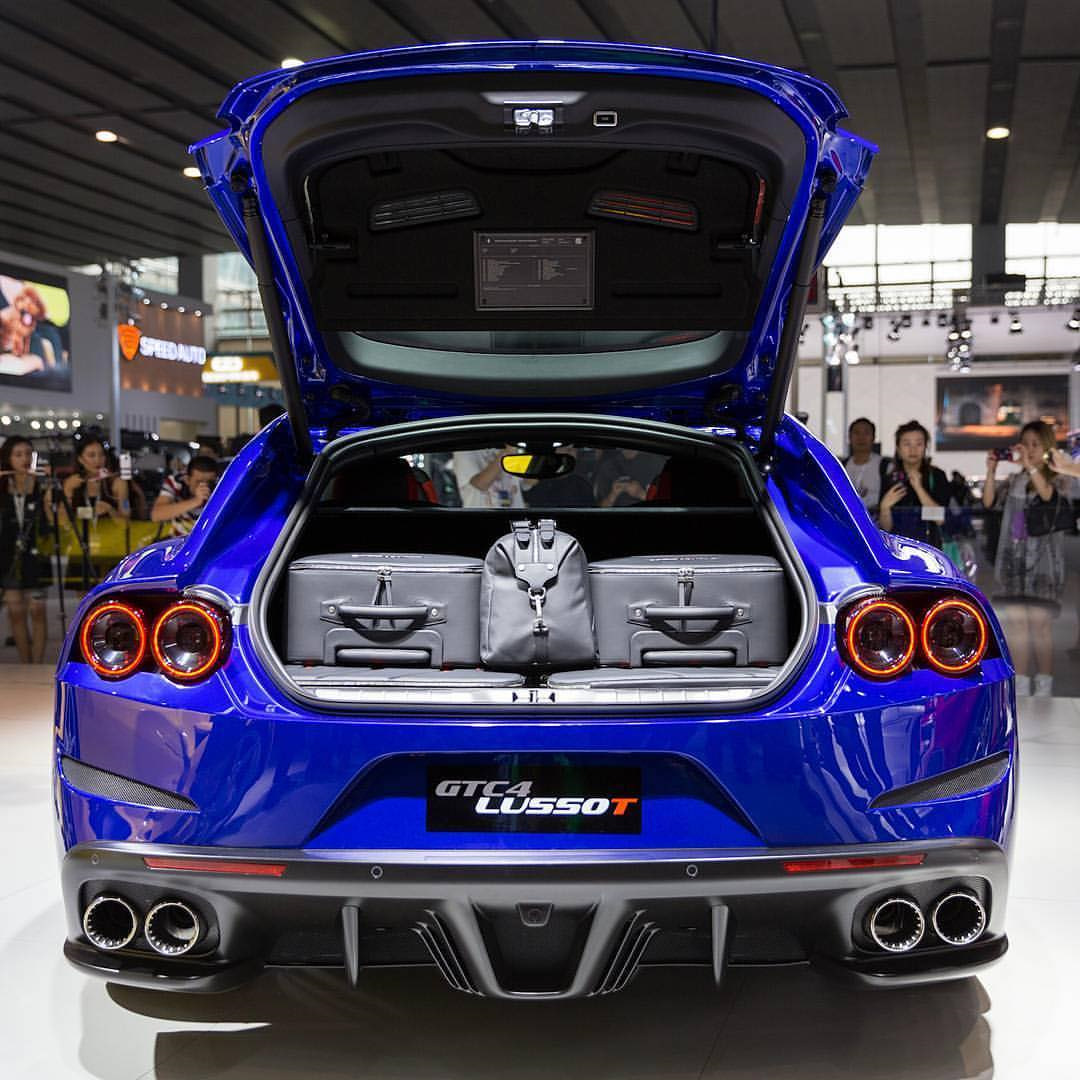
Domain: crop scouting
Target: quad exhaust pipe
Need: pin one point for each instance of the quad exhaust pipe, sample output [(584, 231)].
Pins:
[(109, 923), (958, 918), (171, 928), (896, 925)]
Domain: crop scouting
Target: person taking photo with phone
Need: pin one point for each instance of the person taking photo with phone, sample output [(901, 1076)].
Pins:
[(1029, 569), (914, 486)]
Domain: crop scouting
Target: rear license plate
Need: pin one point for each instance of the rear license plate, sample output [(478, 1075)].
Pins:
[(534, 799)]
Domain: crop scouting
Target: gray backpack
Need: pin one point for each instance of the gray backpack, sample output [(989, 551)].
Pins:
[(534, 600)]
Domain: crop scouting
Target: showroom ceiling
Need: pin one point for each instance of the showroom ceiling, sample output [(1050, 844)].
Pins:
[(924, 78)]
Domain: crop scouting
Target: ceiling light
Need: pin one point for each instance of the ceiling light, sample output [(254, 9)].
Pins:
[(852, 356), (50, 424), (292, 61), (1015, 325), (998, 133), (181, 310), (893, 334), (198, 314), (62, 425), (5, 420), (106, 136), (164, 306), (35, 424), (192, 172), (146, 300), (1074, 322), (76, 423)]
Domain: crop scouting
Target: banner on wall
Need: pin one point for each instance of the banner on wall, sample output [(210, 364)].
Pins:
[(35, 329), (980, 412)]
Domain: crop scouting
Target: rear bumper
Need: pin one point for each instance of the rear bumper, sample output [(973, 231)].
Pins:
[(537, 924)]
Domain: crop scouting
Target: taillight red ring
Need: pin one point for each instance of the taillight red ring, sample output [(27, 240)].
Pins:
[(980, 622), (217, 633), (856, 616), (87, 648)]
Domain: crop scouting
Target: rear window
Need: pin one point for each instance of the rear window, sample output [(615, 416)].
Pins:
[(474, 479)]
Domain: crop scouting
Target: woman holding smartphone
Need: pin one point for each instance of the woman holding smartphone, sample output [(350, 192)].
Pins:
[(1029, 571), (914, 486)]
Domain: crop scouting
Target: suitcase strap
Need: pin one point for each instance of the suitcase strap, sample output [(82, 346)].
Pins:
[(536, 567)]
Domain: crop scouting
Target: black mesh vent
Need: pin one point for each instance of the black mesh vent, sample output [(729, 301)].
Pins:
[(119, 788), (947, 785)]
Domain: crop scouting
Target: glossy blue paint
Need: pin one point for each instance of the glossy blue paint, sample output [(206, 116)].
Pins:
[(800, 771), (254, 105)]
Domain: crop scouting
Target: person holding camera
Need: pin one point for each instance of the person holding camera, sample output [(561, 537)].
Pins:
[(183, 495), (1029, 569)]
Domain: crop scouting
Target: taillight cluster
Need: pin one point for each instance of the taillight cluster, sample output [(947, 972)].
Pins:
[(883, 636), (183, 639)]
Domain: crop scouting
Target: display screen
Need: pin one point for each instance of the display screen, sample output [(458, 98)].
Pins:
[(35, 329), (522, 271)]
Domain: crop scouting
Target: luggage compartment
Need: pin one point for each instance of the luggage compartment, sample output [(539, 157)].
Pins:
[(701, 610), (398, 610)]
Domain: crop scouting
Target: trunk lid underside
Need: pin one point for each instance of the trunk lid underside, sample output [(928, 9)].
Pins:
[(468, 229)]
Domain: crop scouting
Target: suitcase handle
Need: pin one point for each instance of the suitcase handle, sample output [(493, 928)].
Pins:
[(668, 614), (415, 612)]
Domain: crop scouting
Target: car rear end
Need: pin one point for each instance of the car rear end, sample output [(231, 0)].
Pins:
[(851, 808)]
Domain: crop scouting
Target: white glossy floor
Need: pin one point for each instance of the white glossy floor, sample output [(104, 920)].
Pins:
[(1017, 1021)]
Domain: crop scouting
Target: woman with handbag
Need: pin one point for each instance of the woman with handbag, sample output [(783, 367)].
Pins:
[(1029, 571)]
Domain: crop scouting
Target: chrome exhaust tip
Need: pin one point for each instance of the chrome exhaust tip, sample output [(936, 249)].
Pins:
[(958, 918), (109, 923), (896, 925), (171, 928)]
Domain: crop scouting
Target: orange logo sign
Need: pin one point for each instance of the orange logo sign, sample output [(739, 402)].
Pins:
[(129, 340)]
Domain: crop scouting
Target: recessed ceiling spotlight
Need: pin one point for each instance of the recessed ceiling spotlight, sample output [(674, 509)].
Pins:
[(106, 136), (998, 133), (164, 306), (181, 310), (1074, 322), (1015, 325), (198, 314), (192, 172), (291, 62), (146, 300)]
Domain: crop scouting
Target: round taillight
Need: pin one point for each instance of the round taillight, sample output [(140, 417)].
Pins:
[(113, 639), (954, 635), (188, 640), (879, 638)]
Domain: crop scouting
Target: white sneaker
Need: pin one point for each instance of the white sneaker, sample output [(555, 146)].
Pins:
[(1023, 686), (1044, 686)]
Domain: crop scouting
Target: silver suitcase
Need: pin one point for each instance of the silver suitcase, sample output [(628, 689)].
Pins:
[(395, 610), (678, 610)]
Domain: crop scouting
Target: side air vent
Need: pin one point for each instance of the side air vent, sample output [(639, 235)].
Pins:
[(423, 209), (947, 785), (645, 210), (120, 788)]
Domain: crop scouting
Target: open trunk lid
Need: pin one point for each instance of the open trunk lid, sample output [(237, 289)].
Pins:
[(465, 229)]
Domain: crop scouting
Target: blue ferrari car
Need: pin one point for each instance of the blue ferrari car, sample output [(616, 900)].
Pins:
[(536, 642)]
